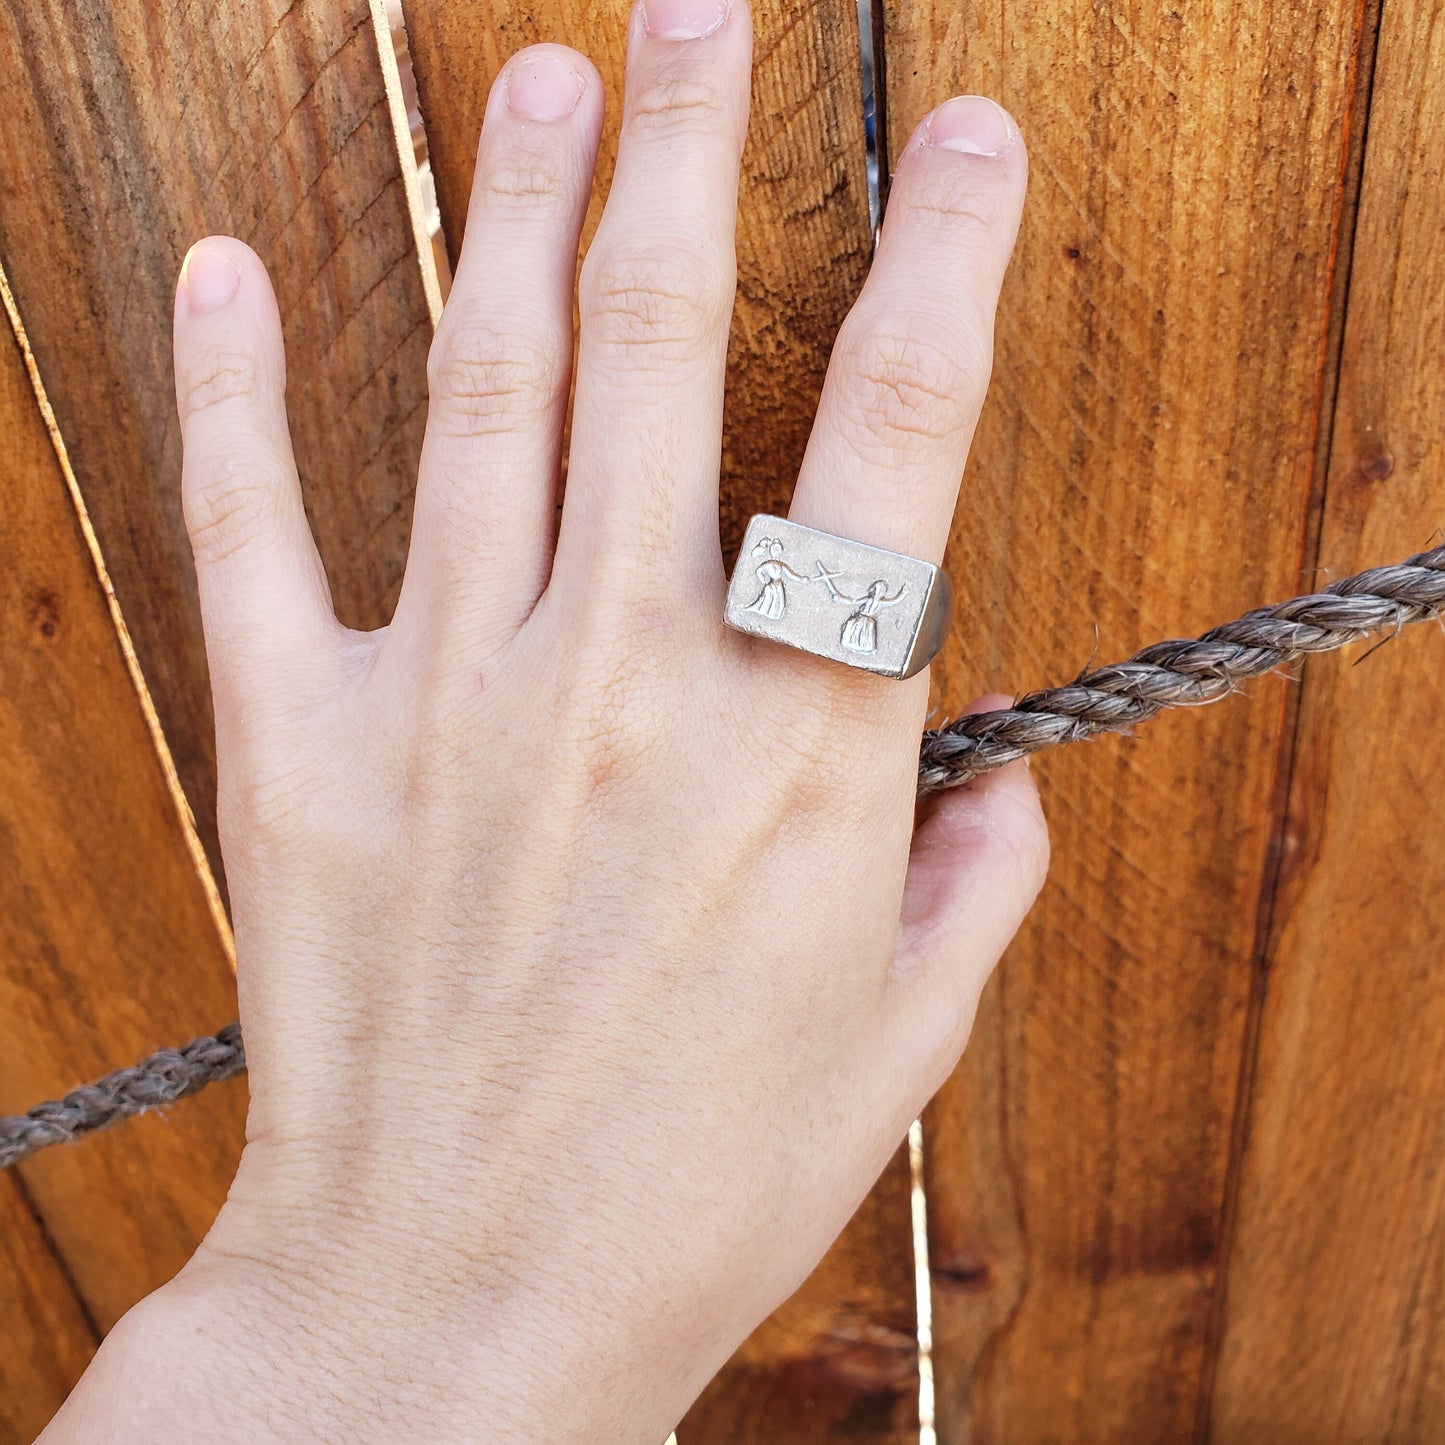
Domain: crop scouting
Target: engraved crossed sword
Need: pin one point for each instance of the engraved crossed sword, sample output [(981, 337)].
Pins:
[(860, 631)]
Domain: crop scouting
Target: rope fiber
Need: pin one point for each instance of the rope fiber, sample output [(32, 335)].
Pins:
[(163, 1078), (1106, 699)]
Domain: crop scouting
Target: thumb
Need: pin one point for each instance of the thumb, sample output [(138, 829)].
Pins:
[(978, 861)]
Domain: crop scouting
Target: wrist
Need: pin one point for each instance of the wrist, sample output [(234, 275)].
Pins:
[(173, 1366), (305, 1324), (279, 1358)]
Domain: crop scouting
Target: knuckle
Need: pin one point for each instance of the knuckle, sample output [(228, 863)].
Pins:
[(922, 382), (610, 720), (1034, 852), (434, 773), (217, 377), (956, 201), (676, 103), (523, 182), (266, 807), (598, 748), (487, 376), (810, 768), (276, 814), (234, 504), (816, 773), (292, 801), (662, 295), (946, 1037), (1018, 833), (612, 749)]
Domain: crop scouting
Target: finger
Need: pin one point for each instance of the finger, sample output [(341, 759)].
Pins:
[(265, 602), (655, 299), (978, 860), (501, 361), (908, 372)]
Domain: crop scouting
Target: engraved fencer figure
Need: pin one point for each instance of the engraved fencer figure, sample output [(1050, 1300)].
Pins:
[(773, 599), (860, 631)]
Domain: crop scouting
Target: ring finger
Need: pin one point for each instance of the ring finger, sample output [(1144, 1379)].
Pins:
[(908, 373), (911, 363)]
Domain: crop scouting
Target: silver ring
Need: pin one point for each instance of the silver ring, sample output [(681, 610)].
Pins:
[(867, 607)]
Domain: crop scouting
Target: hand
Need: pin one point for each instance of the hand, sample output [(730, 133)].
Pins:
[(590, 965)]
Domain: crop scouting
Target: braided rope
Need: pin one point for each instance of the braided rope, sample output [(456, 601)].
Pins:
[(1185, 673), (1106, 699), (163, 1078)]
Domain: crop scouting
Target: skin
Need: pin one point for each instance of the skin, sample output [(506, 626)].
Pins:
[(592, 958)]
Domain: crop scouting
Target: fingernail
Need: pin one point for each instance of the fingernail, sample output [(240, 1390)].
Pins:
[(543, 86), (683, 19), (972, 124), (211, 277)]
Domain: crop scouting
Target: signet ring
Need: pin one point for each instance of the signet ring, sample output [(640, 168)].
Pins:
[(884, 612)]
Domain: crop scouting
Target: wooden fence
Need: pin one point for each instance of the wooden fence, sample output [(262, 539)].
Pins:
[(1188, 1182)]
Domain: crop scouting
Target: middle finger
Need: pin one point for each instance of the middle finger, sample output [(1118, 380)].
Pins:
[(655, 300)]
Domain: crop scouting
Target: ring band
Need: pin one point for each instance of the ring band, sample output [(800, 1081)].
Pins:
[(882, 611)]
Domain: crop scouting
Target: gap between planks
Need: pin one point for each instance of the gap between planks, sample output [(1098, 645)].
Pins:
[(142, 691), (389, 60), (431, 283), (1351, 174), (922, 1283)]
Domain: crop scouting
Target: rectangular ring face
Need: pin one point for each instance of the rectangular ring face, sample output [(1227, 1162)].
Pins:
[(860, 605)]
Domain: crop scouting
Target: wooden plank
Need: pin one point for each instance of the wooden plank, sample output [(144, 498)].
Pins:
[(803, 233), (1144, 465), (110, 944), (131, 130), (48, 1339), (839, 1362), (1334, 1321)]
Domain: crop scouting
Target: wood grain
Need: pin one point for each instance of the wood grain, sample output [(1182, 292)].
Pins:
[(1147, 463), (1334, 1326), (803, 232), (109, 943), (48, 1339), (1144, 467), (840, 1360), (133, 129)]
